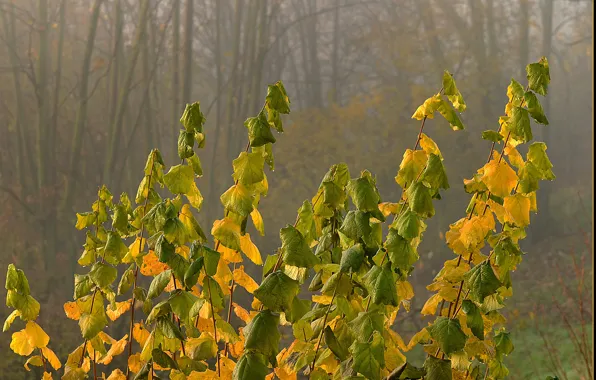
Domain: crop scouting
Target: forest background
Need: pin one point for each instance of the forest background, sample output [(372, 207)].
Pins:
[(88, 87)]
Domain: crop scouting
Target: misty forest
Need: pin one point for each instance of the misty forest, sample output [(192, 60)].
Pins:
[(296, 189)]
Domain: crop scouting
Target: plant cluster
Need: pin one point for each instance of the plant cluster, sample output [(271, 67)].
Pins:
[(358, 273)]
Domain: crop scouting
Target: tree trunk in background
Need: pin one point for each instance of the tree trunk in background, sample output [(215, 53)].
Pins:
[(43, 68), (116, 128), (175, 72), (544, 195), (147, 130), (334, 98), (188, 52), (428, 21), (79, 127), (524, 37), (56, 106), (116, 58)]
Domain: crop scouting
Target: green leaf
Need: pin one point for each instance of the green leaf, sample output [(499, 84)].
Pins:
[(248, 168), (339, 284), (259, 132), (164, 249), (82, 286), (420, 200), (195, 164), (535, 108), (537, 156), (261, 335), (120, 219), (159, 283), (333, 195), (251, 366), (518, 124), (408, 225), (449, 114), (369, 357), (168, 328), (493, 136), (538, 75), (277, 291), (515, 92), (334, 345), (16, 280), (193, 118), (127, 280), (503, 343), (435, 173), (352, 259), (179, 179), (212, 292), (298, 309), (437, 369), (92, 324), (529, 177), (381, 283), (186, 141), (400, 251), (497, 369), (191, 276), (103, 274), (473, 318), (277, 98), (211, 260), (203, 348), (161, 309), (25, 304), (227, 232), (366, 323), (306, 223), (115, 249), (182, 302), (238, 199), (453, 94), (162, 359), (356, 225), (363, 193), (448, 334), (295, 250), (481, 281)]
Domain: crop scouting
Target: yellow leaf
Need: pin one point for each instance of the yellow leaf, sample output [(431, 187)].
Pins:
[(151, 265), (205, 375), (283, 374), (37, 337), (430, 307), (183, 250), (393, 358), (194, 196), (257, 220), (140, 334), (533, 203), (116, 349), (241, 313), (387, 208), (121, 308), (33, 360), (10, 319), (411, 166), (250, 249), (52, 358), (227, 367), (106, 338), (428, 108), (499, 178), (472, 232), (322, 299), (72, 311), (134, 362), (395, 338), (244, 280), (405, 290), (117, 375), (515, 158), (229, 255), (518, 207), (137, 246), (421, 336), (429, 146), (20, 343), (46, 376)]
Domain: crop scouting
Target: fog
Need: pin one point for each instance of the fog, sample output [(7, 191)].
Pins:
[(89, 87)]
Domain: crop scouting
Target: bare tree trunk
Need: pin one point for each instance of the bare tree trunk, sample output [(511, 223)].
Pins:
[(175, 72), (524, 36), (116, 129), (52, 135), (335, 57), (77, 136), (188, 52), (117, 57), (43, 69)]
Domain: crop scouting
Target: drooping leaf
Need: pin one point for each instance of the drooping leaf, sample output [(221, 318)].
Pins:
[(453, 94), (400, 251), (295, 250), (499, 178), (408, 225), (437, 369), (352, 258), (481, 281), (493, 136), (369, 356), (420, 200), (503, 343), (535, 108), (248, 168), (363, 194), (381, 284), (192, 119), (411, 167), (448, 334), (518, 124), (227, 232), (537, 155), (435, 174), (366, 323), (159, 283), (115, 249), (251, 366), (518, 206), (261, 335), (179, 179), (259, 131), (538, 75), (103, 274), (450, 115), (238, 199), (277, 291), (473, 318)]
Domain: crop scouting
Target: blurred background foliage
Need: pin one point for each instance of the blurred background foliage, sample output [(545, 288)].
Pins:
[(88, 87)]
